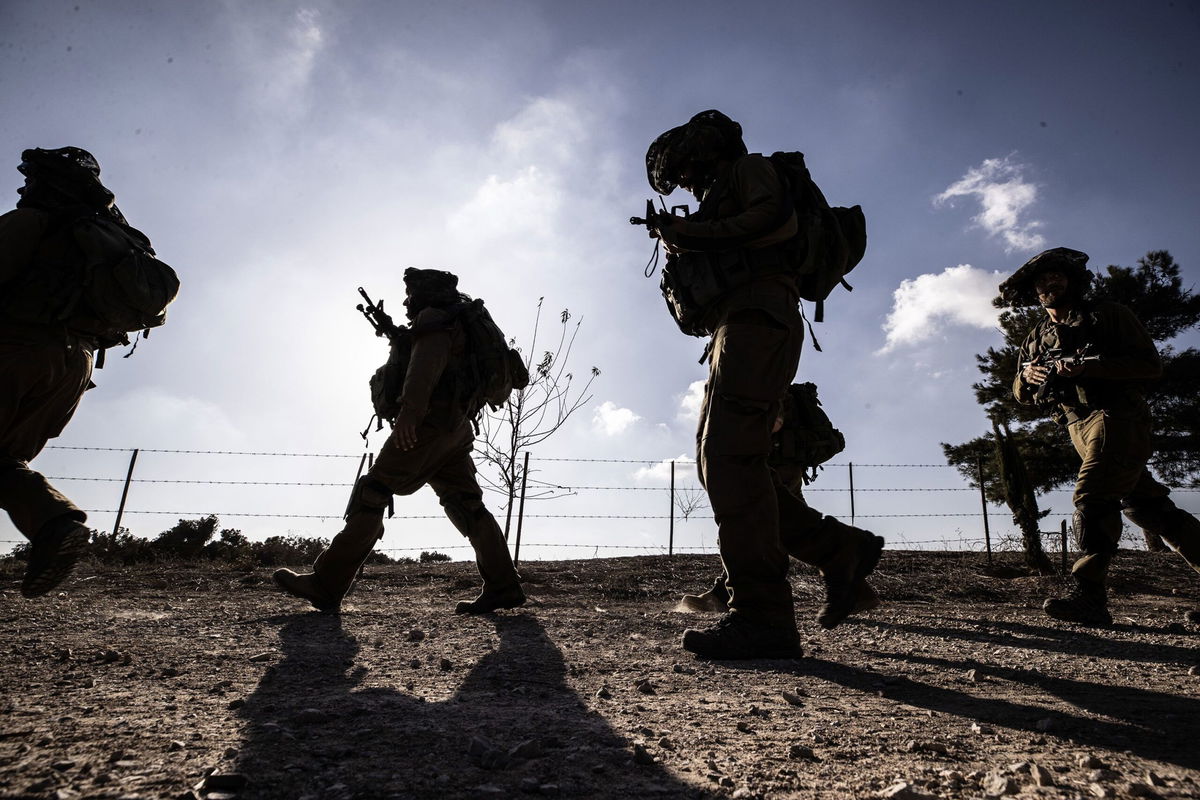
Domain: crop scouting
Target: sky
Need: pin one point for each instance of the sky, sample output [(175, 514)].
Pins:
[(281, 154)]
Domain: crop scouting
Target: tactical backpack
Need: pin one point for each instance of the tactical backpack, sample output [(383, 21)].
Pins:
[(117, 287), (490, 372), (831, 240), (829, 243), (493, 369), (807, 438)]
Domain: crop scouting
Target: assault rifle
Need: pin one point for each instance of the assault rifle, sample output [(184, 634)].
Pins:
[(380, 320), (651, 222), (1051, 390)]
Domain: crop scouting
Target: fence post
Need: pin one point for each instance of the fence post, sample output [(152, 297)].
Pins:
[(851, 468), (987, 531), (671, 539), (521, 510), (1064, 547), (125, 492)]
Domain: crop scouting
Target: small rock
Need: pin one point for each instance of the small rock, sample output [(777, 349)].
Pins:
[(530, 748), (231, 752), (117, 755), (549, 789), (641, 755), (801, 753), (793, 699), (444, 665), (1103, 775), (176, 746), (666, 744), (414, 663), (529, 785), (1019, 767), (744, 727), (742, 794), (170, 672), (1090, 762), (1194, 670), (63, 766), (110, 656), (998, 785), (1142, 790), (982, 730), (233, 705), (726, 781), (416, 635), (603, 693), (972, 676), (646, 687), (901, 790), (1101, 791), (310, 716), (1041, 775), (267, 656), (1153, 779), (683, 670)]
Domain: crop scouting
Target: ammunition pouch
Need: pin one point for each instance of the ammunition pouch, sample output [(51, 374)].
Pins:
[(692, 282)]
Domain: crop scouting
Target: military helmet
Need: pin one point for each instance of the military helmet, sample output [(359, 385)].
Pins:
[(1018, 290), (430, 287), (706, 138), (68, 176)]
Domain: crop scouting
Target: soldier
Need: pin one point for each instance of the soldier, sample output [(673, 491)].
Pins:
[(47, 344), (430, 443), (796, 520), (1091, 359), (744, 216)]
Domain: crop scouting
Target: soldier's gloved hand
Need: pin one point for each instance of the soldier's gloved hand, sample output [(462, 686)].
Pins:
[(668, 231), (1035, 375), (405, 429)]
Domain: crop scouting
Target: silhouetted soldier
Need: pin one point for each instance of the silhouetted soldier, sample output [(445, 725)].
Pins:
[(48, 337), (1090, 361), (430, 443), (745, 216)]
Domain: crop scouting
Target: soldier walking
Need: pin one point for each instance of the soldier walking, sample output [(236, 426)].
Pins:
[(430, 443), (50, 330), (755, 328), (1090, 360)]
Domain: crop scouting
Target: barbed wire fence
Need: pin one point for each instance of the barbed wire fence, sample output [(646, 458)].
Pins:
[(680, 502)]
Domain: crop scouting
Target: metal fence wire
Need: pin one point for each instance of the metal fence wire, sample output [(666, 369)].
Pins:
[(678, 501)]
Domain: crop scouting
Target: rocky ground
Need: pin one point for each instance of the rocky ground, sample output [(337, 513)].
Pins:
[(189, 682)]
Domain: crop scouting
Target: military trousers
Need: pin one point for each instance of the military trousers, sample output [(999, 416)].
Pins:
[(442, 460), (753, 359), (1113, 479), (41, 383)]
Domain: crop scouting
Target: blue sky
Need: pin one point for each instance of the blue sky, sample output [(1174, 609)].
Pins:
[(281, 154)]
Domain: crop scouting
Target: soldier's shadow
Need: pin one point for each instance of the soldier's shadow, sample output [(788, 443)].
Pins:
[(313, 731), (1151, 724)]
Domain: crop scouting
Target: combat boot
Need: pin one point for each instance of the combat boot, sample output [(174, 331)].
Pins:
[(306, 587), (53, 554), (501, 583), (735, 636), (1085, 604), (490, 600), (715, 600), (842, 574)]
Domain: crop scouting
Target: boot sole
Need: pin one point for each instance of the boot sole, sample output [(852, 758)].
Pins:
[(63, 561), (694, 642)]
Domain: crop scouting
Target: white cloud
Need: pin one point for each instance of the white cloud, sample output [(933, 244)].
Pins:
[(612, 420), (1004, 195), (922, 306), (279, 60), (689, 402), (661, 472)]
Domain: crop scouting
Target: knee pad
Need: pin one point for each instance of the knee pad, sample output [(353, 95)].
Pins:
[(368, 495), (463, 510)]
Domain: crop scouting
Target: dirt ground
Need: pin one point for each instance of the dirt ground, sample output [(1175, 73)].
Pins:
[(179, 682)]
